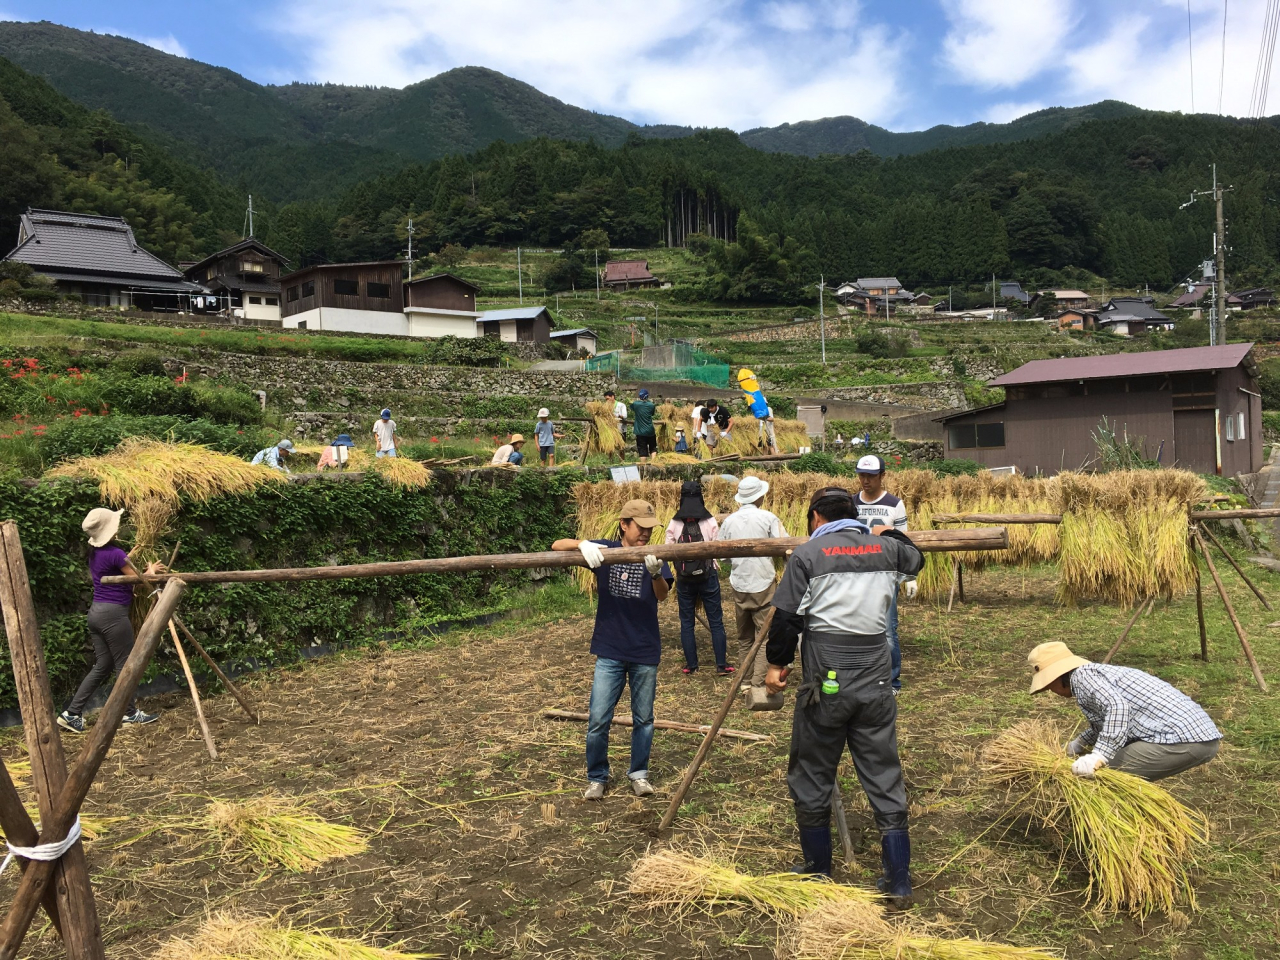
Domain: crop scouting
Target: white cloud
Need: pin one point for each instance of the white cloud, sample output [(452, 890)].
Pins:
[(700, 62), (996, 43), (1005, 112), (168, 43)]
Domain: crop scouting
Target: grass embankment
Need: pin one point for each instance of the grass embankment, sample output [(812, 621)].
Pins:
[(479, 845)]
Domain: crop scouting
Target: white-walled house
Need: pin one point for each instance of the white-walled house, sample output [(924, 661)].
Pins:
[(351, 297), (442, 305)]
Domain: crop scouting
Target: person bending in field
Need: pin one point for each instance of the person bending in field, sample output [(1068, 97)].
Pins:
[(1137, 723), (625, 643), (109, 626)]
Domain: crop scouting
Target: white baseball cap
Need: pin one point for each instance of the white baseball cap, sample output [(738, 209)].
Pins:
[(870, 464)]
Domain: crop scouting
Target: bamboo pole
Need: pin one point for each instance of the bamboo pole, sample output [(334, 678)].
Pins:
[(1142, 604), (1226, 602), (67, 805), (195, 693), (952, 598), (1204, 528), (678, 797), (978, 538), (81, 929), (662, 725)]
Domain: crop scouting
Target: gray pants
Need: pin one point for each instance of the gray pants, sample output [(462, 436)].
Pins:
[(863, 715), (750, 609), (112, 636), (1155, 761)]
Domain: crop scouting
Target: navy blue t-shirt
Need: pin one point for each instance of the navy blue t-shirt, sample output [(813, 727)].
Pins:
[(627, 611)]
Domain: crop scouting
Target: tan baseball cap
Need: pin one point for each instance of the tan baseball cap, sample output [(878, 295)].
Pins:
[(639, 511), (1049, 661)]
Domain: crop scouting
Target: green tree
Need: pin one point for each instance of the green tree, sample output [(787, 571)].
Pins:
[(594, 240), (451, 255)]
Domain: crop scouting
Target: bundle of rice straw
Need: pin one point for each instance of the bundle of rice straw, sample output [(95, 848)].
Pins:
[(402, 472), (1136, 839), (842, 931), (603, 435), (671, 878), (150, 477), (228, 936), (278, 832)]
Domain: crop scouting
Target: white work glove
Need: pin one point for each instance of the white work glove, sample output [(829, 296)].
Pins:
[(911, 587), (1077, 748), (591, 553), (1088, 765), (653, 565)]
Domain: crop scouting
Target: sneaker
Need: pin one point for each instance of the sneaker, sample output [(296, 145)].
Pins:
[(688, 670), (594, 791), (642, 787), (724, 671), (138, 718), (71, 721)]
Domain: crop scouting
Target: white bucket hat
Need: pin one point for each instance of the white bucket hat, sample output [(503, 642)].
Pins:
[(101, 525), (750, 490), (544, 412)]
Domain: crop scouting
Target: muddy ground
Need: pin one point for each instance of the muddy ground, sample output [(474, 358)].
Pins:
[(481, 846)]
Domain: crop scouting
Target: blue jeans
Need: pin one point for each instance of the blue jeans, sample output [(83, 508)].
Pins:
[(389, 452), (688, 589), (895, 651), (606, 688)]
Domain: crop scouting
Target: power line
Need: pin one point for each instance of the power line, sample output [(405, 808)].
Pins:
[(1191, 62), (1266, 57), (1222, 69)]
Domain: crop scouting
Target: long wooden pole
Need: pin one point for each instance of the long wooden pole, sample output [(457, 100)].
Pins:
[(195, 693), (1142, 604), (1248, 513), (20, 831), (1204, 636), (1235, 621), (842, 826), (81, 930), (1204, 528), (997, 519), (978, 538), (705, 747), (226, 681), (67, 805), (661, 725)]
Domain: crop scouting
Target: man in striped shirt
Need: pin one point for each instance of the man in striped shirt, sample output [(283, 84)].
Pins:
[(1137, 723), (879, 508)]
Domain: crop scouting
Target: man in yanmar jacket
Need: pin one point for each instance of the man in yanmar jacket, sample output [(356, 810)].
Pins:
[(836, 590)]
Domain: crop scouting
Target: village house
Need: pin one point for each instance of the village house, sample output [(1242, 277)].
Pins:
[(518, 324), (1195, 300), (352, 297), (578, 340), (1067, 299), (1197, 408), (244, 280), (1012, 290), (876, 295), (1077, 319), (1131, 316), (628, 274), (1254, 297), (441, 305), (99, 260)]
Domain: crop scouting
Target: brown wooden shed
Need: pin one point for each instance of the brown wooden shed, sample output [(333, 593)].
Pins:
[(1198, 408), (355, 297)]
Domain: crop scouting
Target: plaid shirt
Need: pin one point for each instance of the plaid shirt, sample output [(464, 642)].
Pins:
[(1123, 705)]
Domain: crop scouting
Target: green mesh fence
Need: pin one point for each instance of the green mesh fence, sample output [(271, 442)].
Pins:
[(700, 368)]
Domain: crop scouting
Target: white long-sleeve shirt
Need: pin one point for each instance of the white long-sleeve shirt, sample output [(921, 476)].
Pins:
[(749, 522)]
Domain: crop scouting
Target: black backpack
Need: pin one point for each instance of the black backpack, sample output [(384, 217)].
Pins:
[(692, 534)]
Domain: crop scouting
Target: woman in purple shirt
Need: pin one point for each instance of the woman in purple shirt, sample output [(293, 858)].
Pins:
[(109, 626)]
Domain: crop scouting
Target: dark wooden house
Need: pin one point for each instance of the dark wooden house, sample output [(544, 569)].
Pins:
[(518, 324), (625, 274), (244, 279), (1198, 408), (356, 297)]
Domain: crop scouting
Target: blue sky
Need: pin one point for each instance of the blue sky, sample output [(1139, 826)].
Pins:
[(905, 65)]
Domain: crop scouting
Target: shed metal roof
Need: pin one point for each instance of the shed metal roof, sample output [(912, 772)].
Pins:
[(1186, 360), (515, 313), (443, 276), (866, 282), (58, 241), (573, 333)]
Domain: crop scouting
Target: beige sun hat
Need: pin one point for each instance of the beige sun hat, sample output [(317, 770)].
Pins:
[(640, 512), (101, 525), (751, 489), (516, 438), (1049, 661)]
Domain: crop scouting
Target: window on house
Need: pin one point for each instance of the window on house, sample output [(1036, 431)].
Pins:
[(970, 435), (309, 289), (1240, 428), (257, 300), (378, 291), (302, 324), (962, 437), (990, 434), (1231, 428), (292, 293), (273, 301), (346, 288), (251, 266)]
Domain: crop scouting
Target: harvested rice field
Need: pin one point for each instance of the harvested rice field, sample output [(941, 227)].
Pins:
[(467, 838)]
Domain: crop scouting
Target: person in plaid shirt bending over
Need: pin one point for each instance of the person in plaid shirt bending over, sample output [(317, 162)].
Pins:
[(1137, 723)]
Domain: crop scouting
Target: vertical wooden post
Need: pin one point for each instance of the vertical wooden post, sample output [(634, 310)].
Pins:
[(1204, 637), (19, 830), (1231, 612), (960, 580), (81, 932)]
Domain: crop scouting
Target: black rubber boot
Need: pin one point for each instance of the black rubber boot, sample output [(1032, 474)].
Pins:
[(895, 855), (815, 844)]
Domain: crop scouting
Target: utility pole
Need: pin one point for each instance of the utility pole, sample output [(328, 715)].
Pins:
[(597, 253), (410, 231), (1218, 314), (948, 298), (993, 296), (251, 214), (519, 276), (822, 318)]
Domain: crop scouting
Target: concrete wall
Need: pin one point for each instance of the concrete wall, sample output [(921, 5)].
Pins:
[(351, 321), (429, 323)]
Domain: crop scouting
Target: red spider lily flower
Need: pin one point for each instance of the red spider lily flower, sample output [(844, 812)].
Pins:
[(435, 439), (6, 363)]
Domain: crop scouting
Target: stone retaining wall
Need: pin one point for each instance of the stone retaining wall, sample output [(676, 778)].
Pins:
[(936, 395)]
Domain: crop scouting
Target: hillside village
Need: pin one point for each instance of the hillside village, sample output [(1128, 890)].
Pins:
[(360, 416)]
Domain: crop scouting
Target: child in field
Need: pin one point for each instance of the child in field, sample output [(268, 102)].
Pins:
[(544, 431)]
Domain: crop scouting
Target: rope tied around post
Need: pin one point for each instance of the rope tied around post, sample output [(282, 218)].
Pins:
[(43, 851)]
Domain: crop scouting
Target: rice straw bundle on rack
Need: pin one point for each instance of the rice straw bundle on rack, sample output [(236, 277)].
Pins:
[(858, 932), (1136, 839), (603, 435), (277, 831), (402, 472), (225, 936), (680, 880)]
